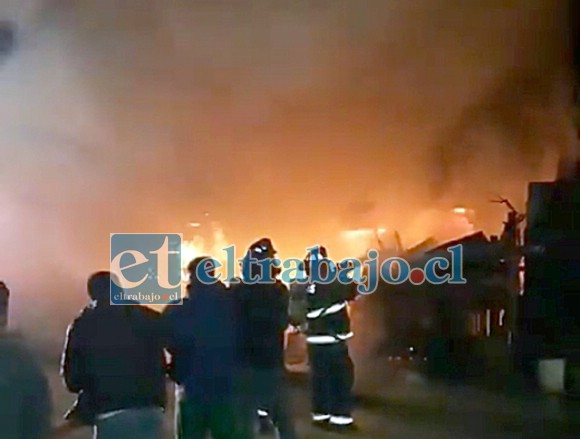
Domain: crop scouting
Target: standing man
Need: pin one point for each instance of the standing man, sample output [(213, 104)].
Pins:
[(203, 349), (113, 358), (262, 306), (327, 337), (25, 400)]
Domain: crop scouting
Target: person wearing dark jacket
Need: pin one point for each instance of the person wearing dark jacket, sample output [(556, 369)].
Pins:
[(113, 358), (202, 345), (263, 318)]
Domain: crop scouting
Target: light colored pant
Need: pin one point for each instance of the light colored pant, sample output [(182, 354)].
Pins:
[(141, 423)]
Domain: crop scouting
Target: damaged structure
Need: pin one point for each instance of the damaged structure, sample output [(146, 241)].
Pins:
[(519, 309), (461, 330), (519, 312), (550, 311)]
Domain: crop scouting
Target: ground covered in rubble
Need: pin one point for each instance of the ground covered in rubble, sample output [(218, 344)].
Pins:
[(403, 409)]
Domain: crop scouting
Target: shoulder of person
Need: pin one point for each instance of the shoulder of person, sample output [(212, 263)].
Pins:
[(219, 284), (84, 316), (240, 290), (11, 342), (298, 287), (221, 289), (336, 285), (234, 285), (16, 350), (146, 312), (282, 287), (174, 305), (344, 290)]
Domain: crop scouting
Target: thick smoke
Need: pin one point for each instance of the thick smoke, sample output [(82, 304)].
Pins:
[(275, 116)]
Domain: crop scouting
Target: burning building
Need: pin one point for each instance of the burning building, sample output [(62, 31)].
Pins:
[(459, 329), (480, 325)]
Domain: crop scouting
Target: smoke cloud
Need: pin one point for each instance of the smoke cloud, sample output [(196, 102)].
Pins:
[(276, 117)]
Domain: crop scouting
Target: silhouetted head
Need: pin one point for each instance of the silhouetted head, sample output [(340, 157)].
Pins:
[(208, 268), (317, 253), (99, 286), (343, 265), (261, 250)]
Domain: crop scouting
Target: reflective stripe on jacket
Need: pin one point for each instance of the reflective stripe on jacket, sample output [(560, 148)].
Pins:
[(327, 316)]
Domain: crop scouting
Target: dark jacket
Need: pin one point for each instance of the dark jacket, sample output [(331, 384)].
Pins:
[(114, 356), (202, 343), (25, 401), (263, 316)]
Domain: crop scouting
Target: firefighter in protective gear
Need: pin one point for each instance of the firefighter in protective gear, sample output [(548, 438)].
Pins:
[(328, 331)]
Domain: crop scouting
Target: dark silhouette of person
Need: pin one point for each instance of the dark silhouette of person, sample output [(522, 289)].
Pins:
[(262, 309), (202, 345), (25, 398), (113, 358)]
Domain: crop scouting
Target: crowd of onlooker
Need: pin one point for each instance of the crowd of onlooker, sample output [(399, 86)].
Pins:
[(223, 347)]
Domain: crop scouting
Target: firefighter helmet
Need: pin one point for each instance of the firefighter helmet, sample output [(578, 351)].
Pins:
[(318, 252), (262, 249)]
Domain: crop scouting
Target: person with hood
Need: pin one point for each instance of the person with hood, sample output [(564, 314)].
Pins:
[(202, 346), (113, 359)]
